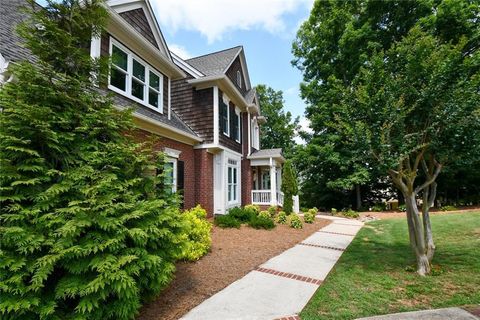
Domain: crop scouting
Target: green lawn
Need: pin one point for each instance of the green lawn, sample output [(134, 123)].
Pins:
[(371, 278)]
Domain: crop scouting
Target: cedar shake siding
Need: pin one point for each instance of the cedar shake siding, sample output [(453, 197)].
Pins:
[(224, 140), (195, 107), (232, 75), (137, 19)]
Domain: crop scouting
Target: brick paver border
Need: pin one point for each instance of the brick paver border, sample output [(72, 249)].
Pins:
[(289, 275), (320, 246), (294, 317), (343, 234)]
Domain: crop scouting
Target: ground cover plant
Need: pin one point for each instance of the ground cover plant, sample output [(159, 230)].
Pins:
[(86, 229), (376, 274)]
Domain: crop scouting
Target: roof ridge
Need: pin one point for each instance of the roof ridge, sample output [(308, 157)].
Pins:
[(215, 52)]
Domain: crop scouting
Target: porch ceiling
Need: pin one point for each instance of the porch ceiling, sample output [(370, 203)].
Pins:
[(267, 154)]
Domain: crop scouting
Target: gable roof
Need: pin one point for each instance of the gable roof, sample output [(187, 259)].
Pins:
[(124, 6), (215, 63)]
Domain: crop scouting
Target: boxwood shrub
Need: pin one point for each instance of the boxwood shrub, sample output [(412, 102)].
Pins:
[(227, 221), (261, 222)]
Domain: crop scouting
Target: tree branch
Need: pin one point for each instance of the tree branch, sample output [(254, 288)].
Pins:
[(430, 179)]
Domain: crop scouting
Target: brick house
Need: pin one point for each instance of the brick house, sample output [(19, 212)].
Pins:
[(204, 109)]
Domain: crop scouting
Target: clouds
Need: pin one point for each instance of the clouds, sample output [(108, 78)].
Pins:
[(215, 18), (180, 51)]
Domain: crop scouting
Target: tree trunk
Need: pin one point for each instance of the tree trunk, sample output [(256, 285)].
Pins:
[(417, 234), (429, 195), (359, 197)]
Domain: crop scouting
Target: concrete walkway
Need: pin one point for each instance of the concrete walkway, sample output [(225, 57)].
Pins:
[(281, 287)]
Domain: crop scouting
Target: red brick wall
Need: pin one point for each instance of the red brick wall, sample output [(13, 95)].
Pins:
[(204, 179), (247, 178), (187, 155)]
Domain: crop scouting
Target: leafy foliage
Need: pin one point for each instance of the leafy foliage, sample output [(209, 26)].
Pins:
[(280, 129), (282, 217), (252, 207), (350, 214), (197, 231), (242, 214), (272, 211), (262, 221), (264, 214), (294, 221), (289, 186), (309, 216), (227, 221), (85, 231)]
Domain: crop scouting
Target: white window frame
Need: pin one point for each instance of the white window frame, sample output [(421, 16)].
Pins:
[(173, 161), (226, 100), (255, 134), (231, 186), (237, 112), (129, 76)]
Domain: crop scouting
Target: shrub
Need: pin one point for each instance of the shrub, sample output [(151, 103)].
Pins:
[(289, 186), (350, 214), (262, 221), (85, 231), (197, 233), (334, 211), (309, 216), (448, 208), (272, 211), (282, 217), (252, 207), (402, 207), (242, 215), (378, 207), (227, 221), (264, 214), (295, 222)]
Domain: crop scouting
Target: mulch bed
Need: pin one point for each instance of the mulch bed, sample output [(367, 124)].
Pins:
[(234, 253), (398, 214)]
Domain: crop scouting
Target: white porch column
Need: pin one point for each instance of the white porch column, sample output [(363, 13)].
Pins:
[(273, 183)]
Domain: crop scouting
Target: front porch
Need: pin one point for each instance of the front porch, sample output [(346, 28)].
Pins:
[(266, 166)]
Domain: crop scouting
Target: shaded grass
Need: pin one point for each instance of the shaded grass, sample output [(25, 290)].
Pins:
[(371, 277)]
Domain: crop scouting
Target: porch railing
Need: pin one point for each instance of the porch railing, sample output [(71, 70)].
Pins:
[(261, 197), (264, 197), (280, 198)]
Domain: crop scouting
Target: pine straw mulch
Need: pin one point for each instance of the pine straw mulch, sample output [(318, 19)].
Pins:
[(234, 253)]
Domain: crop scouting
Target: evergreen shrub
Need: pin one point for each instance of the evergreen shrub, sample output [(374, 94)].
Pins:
[(197, 233)]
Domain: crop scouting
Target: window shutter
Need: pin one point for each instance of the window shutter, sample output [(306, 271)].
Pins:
[(222, 112), (232, 123), (180, 175)]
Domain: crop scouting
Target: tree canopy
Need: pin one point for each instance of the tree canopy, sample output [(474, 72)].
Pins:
[(393, 85), (280, 129)]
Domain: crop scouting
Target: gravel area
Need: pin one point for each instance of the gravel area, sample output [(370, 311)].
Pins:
[(234, 253)]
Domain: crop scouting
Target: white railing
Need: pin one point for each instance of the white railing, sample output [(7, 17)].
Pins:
[(280, 198), (261, 197)]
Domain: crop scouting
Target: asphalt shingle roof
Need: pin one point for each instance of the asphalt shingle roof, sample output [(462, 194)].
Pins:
[(11, 46), (214, 63)]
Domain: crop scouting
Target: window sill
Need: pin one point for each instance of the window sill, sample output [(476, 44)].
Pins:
[(135, 99)]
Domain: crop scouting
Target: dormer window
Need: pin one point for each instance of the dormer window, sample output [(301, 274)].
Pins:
[(239, 79), (135, 79)]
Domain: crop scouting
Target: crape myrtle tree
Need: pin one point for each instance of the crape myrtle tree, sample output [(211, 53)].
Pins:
[(289, 186), (86, 231), (398, 81), (281, 128)]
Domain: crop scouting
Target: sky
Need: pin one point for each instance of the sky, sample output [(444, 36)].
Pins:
[(265, 28)]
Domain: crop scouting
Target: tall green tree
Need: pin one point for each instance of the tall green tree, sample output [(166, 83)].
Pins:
[(85, 230), (289, 186), (280, 129), (394, 83)]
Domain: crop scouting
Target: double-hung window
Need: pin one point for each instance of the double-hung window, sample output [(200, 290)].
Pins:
[(135, 79), (232, 181), (171, 175)]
